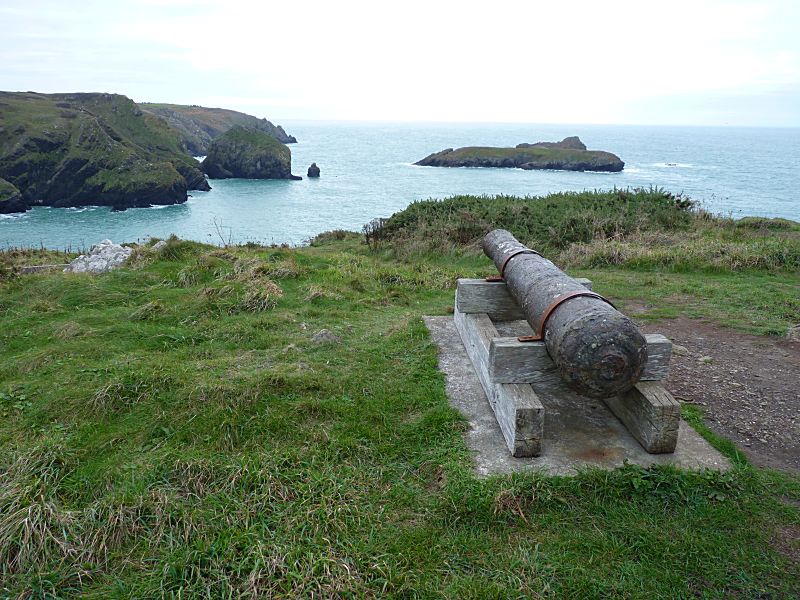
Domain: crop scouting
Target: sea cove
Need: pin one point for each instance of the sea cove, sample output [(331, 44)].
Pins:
[(367, 172)]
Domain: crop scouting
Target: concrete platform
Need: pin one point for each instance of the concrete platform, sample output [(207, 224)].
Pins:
[(578, 434)]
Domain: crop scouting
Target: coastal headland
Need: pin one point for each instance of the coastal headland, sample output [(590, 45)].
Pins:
[(69, 150)]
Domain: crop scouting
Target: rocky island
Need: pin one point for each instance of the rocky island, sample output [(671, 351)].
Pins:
[(249, 154), (67, 150), (570, 154)]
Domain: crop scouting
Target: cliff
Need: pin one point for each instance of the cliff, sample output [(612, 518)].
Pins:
[(197, 126), (91, 149), (568, 155), (248, 154), (10, 198)]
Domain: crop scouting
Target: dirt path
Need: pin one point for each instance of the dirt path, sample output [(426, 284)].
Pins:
[(748, 386)]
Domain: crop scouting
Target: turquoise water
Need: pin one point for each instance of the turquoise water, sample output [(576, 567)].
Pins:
[(367, 172)]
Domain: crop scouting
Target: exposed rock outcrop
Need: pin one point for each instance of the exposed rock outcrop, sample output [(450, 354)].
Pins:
[(313, 170), (10, 198), (325, 336), (195, 180), (101, 258), (68, 150), (198, 126), (568, 143), (248, 154), (569, 154)]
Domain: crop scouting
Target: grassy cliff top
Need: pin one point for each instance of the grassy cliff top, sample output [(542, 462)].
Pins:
[(638, 228), (48, 113), (258, 140), (172, 428), (218, 119), (199, 126)]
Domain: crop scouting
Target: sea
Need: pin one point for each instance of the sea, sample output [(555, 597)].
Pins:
[(367, 172)]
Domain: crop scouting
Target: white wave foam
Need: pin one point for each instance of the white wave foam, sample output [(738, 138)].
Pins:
[(673, 165)]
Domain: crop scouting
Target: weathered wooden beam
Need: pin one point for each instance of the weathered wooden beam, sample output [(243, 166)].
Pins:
[(494, 299), (659, 353), (481, 296), (517, 408), (512, 361), (599, 351), (650, 413)]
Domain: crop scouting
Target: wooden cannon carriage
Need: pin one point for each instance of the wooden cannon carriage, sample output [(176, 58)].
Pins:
[(559, 337)]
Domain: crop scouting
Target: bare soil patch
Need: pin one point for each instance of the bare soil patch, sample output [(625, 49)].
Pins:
[(748, 386)]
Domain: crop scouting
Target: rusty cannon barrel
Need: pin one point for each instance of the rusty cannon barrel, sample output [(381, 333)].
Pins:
[(598, 351)]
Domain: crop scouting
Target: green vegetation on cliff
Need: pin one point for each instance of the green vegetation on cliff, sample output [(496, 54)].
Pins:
[(78, 149), (641, 228), (198, 125), (172, 430), (249, 154), (570, 155), (10, 198)]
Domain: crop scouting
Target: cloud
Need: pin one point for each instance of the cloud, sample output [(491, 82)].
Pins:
[(470, 61)]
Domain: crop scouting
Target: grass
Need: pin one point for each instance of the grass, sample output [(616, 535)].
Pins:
[(523, 155), (255, 138), (171, 430)]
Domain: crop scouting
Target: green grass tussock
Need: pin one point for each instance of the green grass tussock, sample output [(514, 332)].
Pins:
[(172, 429)]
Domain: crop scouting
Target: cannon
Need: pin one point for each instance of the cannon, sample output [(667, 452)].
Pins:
[(599, 351), (539, 338)]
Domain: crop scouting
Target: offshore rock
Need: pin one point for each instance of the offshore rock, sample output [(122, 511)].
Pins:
[(102, 257), (313, 170), (248, 154)]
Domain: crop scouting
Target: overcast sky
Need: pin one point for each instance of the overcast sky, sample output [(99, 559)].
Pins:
[(668, 62)]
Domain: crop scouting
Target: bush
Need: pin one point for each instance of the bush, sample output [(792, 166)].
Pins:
[(552, 222), (640, 228)]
